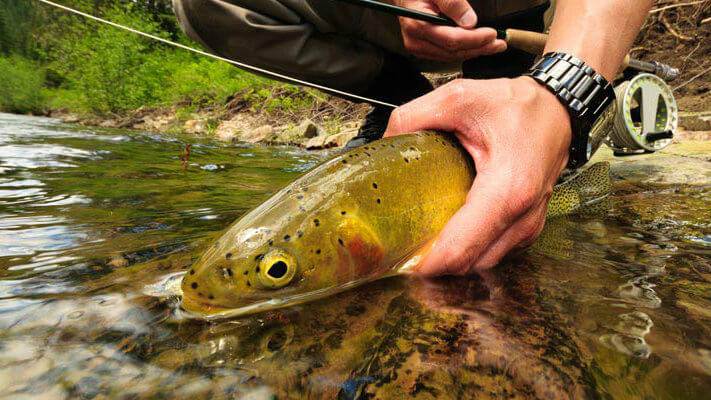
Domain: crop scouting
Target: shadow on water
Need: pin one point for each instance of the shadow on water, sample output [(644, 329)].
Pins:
[(93, 223)]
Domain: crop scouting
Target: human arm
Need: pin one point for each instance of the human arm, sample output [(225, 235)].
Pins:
[(518, 134)]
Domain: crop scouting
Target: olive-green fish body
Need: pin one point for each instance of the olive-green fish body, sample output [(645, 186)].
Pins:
[(353, 219)]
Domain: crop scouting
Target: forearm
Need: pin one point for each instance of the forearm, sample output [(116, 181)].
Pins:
[(600, 32)]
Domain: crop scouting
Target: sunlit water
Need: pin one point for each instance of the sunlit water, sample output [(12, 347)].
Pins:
[(95, 225)]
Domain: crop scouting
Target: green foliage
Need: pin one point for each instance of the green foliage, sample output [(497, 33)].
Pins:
[(16, 22), (89, 67), (21, 85)]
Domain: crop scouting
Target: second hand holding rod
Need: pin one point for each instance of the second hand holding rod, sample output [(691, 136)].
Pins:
[(528, 41)]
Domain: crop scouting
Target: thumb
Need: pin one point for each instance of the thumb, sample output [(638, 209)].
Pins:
[(459, 10)]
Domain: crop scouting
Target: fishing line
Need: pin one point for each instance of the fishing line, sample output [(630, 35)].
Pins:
[(244, 66)]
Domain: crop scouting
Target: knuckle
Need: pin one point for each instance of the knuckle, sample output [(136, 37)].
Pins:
[(531, 230), (457, 88), (453, 8), (525, 198), (395, 119), (451, 43)]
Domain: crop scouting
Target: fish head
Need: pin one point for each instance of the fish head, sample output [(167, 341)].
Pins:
[(244, 267), (275, 255)]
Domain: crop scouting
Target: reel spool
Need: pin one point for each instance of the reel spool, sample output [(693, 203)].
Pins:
[(647, 116)]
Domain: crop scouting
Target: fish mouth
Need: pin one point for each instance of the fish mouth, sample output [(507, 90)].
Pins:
[(197, 307)]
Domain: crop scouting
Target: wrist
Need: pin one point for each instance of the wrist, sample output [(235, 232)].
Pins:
[(588, 97), (555, 108)]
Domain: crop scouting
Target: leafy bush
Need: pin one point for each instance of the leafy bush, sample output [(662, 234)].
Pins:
[(93, 68), (21, 88)]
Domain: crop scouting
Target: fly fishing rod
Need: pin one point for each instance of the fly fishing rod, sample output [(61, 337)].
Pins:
[(528, 41), (647, 114)]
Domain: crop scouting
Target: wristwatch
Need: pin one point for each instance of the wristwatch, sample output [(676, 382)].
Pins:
[(588, 97)]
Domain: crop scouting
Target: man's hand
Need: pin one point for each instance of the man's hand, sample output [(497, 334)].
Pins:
[(518, 134), (445, 43)]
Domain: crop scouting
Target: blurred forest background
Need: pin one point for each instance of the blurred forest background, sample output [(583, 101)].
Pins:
[(51, 60)]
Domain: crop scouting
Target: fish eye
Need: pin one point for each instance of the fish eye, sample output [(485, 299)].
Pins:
[(276, 269)]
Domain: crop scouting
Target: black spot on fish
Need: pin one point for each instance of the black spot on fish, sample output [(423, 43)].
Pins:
[(367, 154), (392, 145), (344, 161), (343, 213), (245, 272), (375, 185), (300, 197), (406, 160), (288, 191), (200, 294), (299, 233), (302, 208), (317, 222), (194, 285), (249, 283), (318, 251), (192, 272), (258, 269), (306, 189), (286, 238), (228, 256), (211, 297), (271, 242), (340, 241), (377, 201), (259, 257)]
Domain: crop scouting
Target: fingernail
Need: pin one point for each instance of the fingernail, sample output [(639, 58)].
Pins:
[(468, 20)]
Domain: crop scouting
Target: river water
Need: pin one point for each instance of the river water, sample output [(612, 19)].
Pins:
[(95, 225)]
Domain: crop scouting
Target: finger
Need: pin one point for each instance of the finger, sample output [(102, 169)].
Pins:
[(453, 39), (427, 50), (520, 235), (459, 10), (435, 110), (484, 217)]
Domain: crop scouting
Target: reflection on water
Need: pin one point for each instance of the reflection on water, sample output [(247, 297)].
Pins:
[(96, 226)]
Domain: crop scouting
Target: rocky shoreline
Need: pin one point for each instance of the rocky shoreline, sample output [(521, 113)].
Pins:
[(312, 131), (248, 127)]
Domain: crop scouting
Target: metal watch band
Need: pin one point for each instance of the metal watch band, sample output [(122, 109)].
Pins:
[(585, 93)]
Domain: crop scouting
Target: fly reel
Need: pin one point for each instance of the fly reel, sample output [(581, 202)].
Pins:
[(647, 116)]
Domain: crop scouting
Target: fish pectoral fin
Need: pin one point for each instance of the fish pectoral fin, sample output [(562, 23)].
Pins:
[(360, 243)]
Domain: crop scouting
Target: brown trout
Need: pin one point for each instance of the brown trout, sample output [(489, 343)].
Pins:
[(361, 216)]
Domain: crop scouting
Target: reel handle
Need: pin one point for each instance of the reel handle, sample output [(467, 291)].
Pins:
[(654, 136)]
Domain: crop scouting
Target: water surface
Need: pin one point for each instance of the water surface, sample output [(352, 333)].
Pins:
[(95, 224)]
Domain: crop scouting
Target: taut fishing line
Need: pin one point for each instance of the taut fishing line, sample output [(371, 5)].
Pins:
[(244, 66)]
